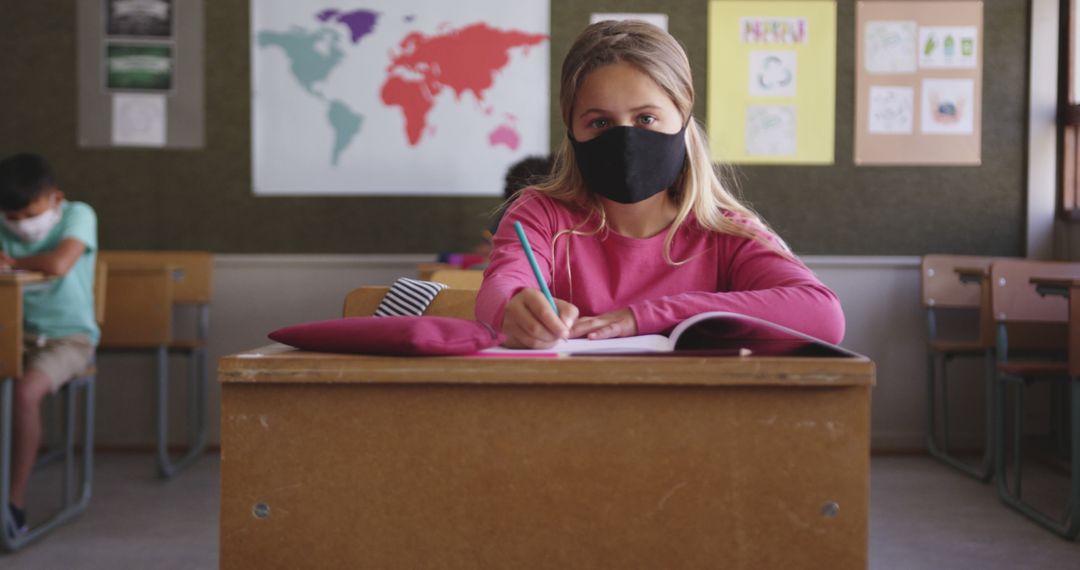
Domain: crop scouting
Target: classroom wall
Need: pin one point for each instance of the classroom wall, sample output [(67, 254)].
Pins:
[(149, 199), (201, 199), (256, 294)]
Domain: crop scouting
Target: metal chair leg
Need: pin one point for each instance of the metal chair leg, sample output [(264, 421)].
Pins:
[(1018, 440), (72, 507), (9, 543), (69, 445), (1068, 526), (55, 440), (984, 470)]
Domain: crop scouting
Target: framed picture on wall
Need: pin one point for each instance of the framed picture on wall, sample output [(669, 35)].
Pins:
[(152, 19), (138, 67)]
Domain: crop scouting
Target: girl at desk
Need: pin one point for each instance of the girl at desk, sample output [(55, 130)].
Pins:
[(634, 230)]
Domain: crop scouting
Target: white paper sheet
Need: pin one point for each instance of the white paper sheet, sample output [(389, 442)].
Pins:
[(138, 120), (773, 73), (948, 107), (890, 46), (891, 110), (770, 130)]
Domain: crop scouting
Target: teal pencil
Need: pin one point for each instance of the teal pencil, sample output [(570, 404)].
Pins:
[(536, 268)]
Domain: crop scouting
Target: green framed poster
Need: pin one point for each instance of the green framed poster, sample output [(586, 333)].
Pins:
[(138, 67)]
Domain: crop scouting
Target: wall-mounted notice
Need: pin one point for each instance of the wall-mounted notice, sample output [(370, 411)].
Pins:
[(150, 19), (772, 76), (138, 67), (140, 70), (138, 119), (918, 82), (658, 20)]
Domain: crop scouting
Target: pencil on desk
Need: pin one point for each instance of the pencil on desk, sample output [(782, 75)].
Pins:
[(536, 268)]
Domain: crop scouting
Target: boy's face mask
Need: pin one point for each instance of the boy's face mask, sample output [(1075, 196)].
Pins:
[(35, 228), (630, 164)]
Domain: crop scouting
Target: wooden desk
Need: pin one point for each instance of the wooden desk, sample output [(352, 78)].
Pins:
[(12, 287), (338, 461)]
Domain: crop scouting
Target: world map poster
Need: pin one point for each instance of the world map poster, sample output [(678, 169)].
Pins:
[(404, 97)]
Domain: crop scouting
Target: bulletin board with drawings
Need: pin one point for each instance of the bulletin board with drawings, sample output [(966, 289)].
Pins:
[(918, 83)]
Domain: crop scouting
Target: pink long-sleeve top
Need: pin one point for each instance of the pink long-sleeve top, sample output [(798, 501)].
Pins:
[(608, 271)]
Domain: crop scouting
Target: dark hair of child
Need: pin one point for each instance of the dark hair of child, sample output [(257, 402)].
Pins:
[(526, 172), (23, 177)]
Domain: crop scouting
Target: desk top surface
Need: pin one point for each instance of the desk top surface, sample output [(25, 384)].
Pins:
[(21, 277), (279, 364)]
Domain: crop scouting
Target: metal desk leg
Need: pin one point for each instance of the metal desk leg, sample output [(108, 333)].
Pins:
[(72, 507), (168, 468)]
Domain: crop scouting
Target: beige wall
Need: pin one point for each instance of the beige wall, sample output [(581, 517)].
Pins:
[(255, 294)]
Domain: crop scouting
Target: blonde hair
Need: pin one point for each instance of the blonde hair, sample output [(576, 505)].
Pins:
[(698, 188)]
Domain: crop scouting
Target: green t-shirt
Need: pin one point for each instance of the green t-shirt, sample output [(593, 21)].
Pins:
[(66, 306)]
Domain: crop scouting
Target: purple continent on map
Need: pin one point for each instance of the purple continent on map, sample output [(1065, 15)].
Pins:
[(359, 22)]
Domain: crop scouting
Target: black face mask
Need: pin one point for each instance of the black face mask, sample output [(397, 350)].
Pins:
[(630, 164)]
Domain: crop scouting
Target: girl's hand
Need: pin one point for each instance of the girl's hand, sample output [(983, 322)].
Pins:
[(6, 262), (529, 321), (608, 325)]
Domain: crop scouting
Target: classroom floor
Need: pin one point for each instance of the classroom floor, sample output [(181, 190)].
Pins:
[(923, 515)]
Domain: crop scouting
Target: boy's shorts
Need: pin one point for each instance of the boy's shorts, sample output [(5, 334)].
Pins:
[(61, 359)]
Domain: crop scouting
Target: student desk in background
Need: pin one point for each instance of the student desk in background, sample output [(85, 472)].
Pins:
[(332, 461), (12, 287)]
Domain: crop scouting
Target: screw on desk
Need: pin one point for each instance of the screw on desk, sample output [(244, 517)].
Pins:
[(830, 509), (261, 510)]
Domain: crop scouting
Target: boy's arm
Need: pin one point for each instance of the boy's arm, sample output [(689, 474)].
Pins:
[(55, 263)]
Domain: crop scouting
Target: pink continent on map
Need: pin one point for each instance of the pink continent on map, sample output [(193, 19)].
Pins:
[(463, 60), (505, 135)]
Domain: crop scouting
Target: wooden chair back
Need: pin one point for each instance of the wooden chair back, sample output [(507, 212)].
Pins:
[(459, 278), (139, 302), (101, 280), (194, 270), (1034, 321), (1015, 298), (459, 303), (942, 287)]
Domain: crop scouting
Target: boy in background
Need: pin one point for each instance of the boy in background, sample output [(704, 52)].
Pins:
[(42, 232)]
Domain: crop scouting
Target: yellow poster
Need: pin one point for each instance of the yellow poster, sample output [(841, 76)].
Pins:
[(772, 81)]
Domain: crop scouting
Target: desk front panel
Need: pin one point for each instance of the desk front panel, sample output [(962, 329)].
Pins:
[(11, 322), (544, 476)]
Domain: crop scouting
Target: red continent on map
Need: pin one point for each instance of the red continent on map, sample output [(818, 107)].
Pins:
[(462, 60)]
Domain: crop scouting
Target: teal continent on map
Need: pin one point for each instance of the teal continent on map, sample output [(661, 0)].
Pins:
[(314, 54), (307, 64), (346, 124)]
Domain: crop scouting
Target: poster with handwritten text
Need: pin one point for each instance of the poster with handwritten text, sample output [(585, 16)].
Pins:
[(772, 81)]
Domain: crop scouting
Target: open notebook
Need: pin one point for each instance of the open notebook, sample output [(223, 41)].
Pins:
[(713, 333)]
